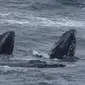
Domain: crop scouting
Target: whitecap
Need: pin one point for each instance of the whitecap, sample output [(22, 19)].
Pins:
[(32, 20)]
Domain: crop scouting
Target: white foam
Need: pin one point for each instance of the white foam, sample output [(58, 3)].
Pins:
[(47, 23), (40, 21), (36, 53), (4, 69)]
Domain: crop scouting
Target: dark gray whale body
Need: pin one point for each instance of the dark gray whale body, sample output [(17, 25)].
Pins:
[(29, 63), (65, 47), (7, 42)]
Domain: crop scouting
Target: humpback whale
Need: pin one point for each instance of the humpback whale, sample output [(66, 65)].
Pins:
[(7, 42), (65, 47), (6, 47)]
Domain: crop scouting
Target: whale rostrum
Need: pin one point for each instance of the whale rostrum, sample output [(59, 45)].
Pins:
[(7, 40), (65, 47)]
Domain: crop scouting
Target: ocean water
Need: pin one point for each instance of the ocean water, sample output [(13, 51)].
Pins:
[(38, 24)]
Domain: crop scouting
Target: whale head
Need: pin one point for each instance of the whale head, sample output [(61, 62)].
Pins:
[(7, 42), (65, 47)]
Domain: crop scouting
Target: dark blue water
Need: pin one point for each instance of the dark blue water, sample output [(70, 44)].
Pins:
[(38, 24)]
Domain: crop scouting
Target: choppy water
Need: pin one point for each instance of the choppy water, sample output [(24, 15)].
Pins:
[(38, 24)]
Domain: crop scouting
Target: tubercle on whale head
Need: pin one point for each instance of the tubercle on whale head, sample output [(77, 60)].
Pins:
[(66, 45), (7, 41)]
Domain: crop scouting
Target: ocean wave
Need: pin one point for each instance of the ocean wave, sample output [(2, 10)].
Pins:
[(45, 22), (30, 20), (43, 5), (75, 3), (32, 5), (8, 69)]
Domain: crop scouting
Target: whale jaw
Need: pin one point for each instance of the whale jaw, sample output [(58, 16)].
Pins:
[(65, 47), (7, 42)]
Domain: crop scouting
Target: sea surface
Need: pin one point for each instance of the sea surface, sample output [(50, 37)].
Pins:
[(38, 24)]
